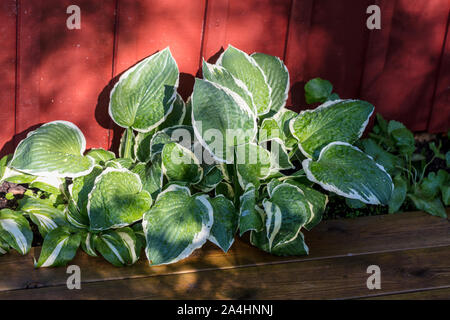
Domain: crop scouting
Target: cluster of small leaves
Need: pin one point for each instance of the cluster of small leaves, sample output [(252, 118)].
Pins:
[(162, 196), (391, 144)]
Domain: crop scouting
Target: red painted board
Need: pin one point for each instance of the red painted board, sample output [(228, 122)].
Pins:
[(252, 26), (146, 27), (334, 48), (440, 115), (62, 72), (402, 67), (7, 79)]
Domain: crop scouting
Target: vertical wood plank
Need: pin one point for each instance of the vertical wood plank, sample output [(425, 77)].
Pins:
[(402, 68), (7, 80), (334, 48), (62, 72), (440, 115), (248, 25), (149, 26)]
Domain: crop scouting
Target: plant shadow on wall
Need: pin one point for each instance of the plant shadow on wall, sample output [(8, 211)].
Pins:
[(179, 179)]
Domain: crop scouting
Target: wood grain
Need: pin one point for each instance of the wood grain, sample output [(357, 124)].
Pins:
[(331, 239)]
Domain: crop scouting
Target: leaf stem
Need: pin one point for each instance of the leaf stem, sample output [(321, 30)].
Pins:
[(128, 143)]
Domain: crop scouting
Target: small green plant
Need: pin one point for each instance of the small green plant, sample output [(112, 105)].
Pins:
[(230, 159), (392, 145)]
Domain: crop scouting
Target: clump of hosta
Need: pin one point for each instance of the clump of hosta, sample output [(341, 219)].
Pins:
[(212, 168)]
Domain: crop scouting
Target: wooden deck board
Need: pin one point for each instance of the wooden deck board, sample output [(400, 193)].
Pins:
[(338, 248)]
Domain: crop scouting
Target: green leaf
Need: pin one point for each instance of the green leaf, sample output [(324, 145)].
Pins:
[(223, 77), (253, 164), (144, 96), (250, 215), (176, 116), (341, 120), (43, 214), (431, 185), (116, 200), (176, 225), (142, 145), (212, 176), (59, 247), (347, 171), (79, 190), (120, 163), (101, 156), (245, 68), (151, 177), (403, 138), (225, 222), (279, 156), (88, 243), (180, 164), (277, 77), (15, 230), (225, 189), (54, 149), (124, 140), (4, 247), (379, 155), (447, 159), (398, 194), (287, 211), (433, 206), (221, 119), (48, 184), (297, 247), (317, 90), (4, 165), (119, 247), (184, 135)]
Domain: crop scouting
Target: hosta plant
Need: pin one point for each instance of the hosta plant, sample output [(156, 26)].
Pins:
[(230, 160)]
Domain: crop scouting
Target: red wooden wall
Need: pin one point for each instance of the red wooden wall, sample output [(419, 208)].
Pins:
[(50, 72)]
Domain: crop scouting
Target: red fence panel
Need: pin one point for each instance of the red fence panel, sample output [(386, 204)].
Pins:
[(402, 64), (62, 71), (51, 72), (8, 77)]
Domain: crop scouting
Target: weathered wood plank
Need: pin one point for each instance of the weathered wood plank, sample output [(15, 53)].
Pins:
[(333, 278), (433, 294), (334, 238)]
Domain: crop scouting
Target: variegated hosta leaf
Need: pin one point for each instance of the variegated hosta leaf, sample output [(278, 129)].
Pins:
[(176, 225), (15, 230), (221, 119), (287, 211), (225, 189), (212, 176), (297, 247), (120, 163), (43, 214), (151, 176), (347, 171), (88, 243), (119, 247), (223, 77), (340, 120), (180, 164), (184, 135), (317, 202), (253, 164), (176, 117), (250, 215), (116, 200), (4, 165), (123, 144), (101, 156), (48, 184), (4, 247), (59, 247), (54, 149), (79, 190), (279, 156), (277, 77), (225, 224), (18, 177), (142, 145), (245, 68), (144, 95), (283, 118)]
